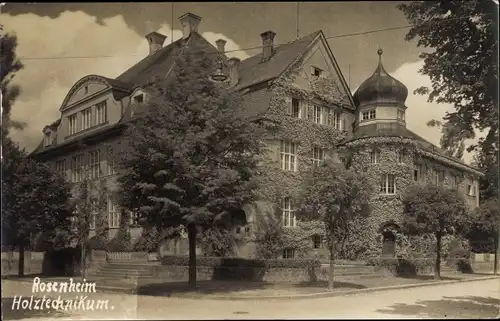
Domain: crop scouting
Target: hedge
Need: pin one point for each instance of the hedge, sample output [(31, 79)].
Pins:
[(240, 262), (400, 266)]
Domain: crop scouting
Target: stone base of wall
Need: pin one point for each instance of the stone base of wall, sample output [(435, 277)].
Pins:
[(172, 273)]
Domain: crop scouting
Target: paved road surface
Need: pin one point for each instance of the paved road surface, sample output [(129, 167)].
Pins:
[(479, 299)]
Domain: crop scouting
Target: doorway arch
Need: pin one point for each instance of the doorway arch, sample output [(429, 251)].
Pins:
[(389, 231)]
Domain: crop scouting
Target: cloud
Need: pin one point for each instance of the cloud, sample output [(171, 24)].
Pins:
[(45, 82), (420, 111)]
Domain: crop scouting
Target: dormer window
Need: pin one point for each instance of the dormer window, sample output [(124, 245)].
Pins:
[(101, 111), (47, 139), (139, 99), (316, 72)]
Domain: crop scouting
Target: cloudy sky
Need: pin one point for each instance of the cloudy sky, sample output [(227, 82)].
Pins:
[(60, 43)]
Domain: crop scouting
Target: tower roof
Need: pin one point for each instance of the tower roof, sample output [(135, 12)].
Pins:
[(380, 87)]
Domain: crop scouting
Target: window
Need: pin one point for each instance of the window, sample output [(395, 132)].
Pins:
[(440, 177), (47, 139), (113, 214), (86, 89), (289, 219), (471, 190), (72, 124), (94, 164), (318, 154), (370, 114), (401, 156), (77, 168), (101, 113), (111, 162), (316, 72), (374, 156), (93, 214), (288, 157), (134, 218), (139, 99), (288, 253), (401, 115), (87, 118), (388, 184), (61, 167), (453, 180), (317, 114), (336, 120), (419, 172), (317, 242), (295, 108)]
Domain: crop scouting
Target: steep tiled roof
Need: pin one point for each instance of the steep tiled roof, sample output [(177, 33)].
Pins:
[(153, 65), (253, 71)]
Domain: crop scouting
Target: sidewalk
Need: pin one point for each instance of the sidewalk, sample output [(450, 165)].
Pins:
[(236, 290)]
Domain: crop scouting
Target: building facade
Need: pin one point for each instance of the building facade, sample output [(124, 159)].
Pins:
[(298, 84)]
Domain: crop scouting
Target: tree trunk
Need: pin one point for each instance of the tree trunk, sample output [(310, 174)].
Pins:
[(82, 261), (495, 244), (20, 270), (192, 254), (331, 280), (437, 267)]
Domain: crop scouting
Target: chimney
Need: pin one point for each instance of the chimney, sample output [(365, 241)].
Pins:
[(234, 75), (189, 24), (267, 44), (155, 41), (221, 45)]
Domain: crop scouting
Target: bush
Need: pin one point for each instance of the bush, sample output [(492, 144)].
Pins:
[(216, 242), (97, 243), (61, 262), (401, 266), (238, 262), (117, 245)]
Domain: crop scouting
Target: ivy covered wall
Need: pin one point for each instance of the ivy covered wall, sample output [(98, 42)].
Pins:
[(387, 209)]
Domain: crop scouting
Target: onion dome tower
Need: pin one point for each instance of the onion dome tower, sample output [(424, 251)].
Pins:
[(380, 99)]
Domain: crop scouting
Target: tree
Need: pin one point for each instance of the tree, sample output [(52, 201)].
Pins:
[(90, 203), (336, 196), (487, 220), (268, 236), (463, 66), (436, 210), (463, 69), (9, 66), (452, 140), (191, 154), (35, 199)]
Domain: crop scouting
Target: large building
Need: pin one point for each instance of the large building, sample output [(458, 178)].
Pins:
[(300, 84)]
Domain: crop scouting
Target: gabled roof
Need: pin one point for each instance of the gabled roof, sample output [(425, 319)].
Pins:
[(252, 70)]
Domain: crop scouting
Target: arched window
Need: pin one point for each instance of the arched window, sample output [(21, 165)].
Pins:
[(374, 156)]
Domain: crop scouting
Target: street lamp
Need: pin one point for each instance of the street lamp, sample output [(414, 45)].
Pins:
[(219, 76)]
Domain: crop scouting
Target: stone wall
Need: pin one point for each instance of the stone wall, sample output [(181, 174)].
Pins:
[(271, 275)]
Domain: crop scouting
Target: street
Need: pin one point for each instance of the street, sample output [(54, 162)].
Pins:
[(477, 299)]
